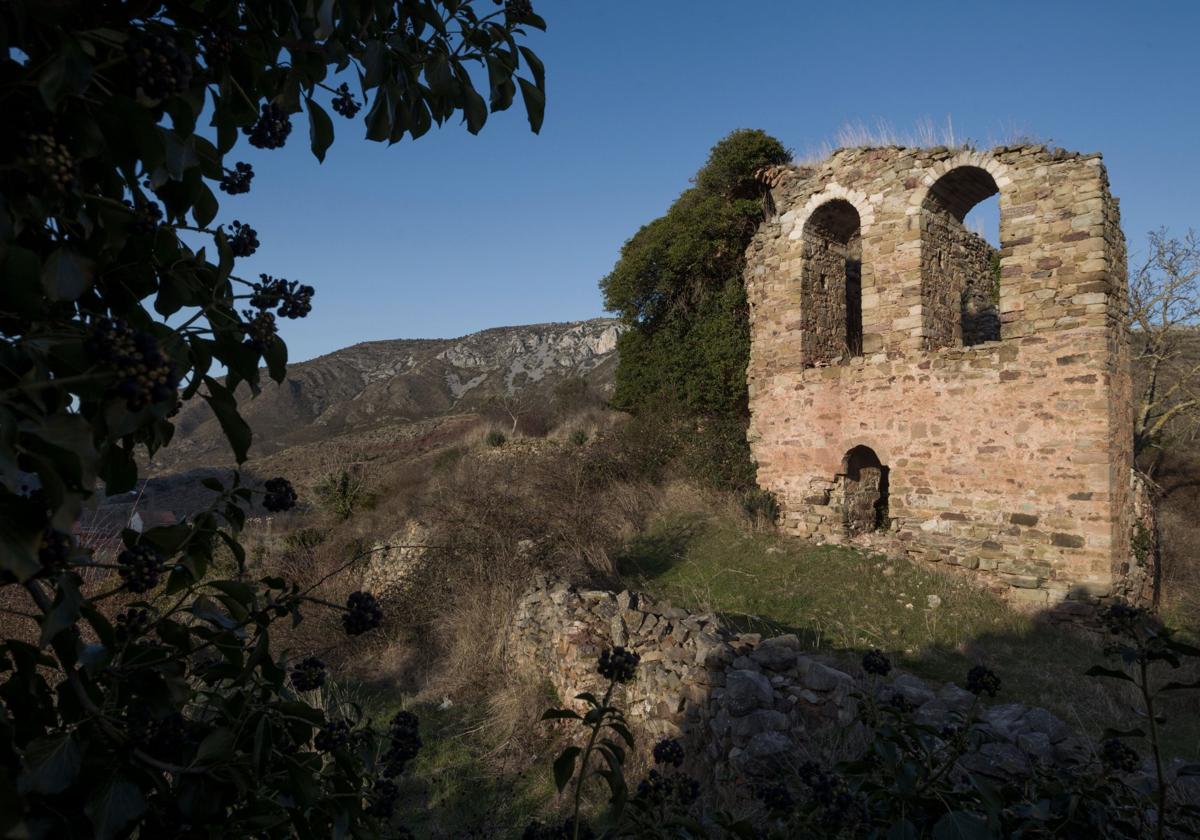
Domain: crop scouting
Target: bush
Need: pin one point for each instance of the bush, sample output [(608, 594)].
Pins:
[(761, 505), (494, 438), (343, 491), (678, 284), (579, 437)]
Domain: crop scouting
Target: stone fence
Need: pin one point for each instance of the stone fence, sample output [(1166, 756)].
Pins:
[(743, 706)]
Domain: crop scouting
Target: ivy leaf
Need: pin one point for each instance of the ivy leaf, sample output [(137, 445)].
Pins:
[(320, 129), (113, 805), (50, 765), (564, 767), (224, 406), (205, 208), (68, 74), (560, 714), (217, 746), (535, 104), (66, 275), (65, 611)]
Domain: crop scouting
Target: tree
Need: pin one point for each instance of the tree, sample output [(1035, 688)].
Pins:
[(1164, 315), (177, 716), (678, 284)]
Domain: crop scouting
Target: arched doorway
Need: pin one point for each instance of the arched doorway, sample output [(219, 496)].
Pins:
[(960, 269), (831, 284), (864, 491)]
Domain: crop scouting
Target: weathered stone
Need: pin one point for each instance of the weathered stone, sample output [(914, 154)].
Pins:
[(906, 394), (746, 691)]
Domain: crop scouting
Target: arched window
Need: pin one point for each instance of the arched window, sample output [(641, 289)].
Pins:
[(831, 284), (960, 269), (864, 491)]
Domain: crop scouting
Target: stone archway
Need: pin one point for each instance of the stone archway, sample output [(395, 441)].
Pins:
[(864, 491)]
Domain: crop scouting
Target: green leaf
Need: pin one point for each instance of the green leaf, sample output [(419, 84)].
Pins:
[(217, 747), (560, 714), (960, 825), (275, 355), (66, 275), (221, 400), (1099, 671), (320, 129), (67, 74), (535, 67), (474, 108), (205, 208), (49, 765), (902, 829), (564, 767), (113, 805), (535, 104), (65, 611)]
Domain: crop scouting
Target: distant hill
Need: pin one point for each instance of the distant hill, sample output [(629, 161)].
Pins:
[(378, 386)]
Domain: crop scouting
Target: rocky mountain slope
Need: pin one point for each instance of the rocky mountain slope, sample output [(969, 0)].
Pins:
[(381, 384)]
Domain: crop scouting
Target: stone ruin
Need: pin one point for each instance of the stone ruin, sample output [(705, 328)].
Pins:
[(915, 389), (745, 706)]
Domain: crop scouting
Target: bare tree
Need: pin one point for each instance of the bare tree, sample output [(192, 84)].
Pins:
[(1164, 316)]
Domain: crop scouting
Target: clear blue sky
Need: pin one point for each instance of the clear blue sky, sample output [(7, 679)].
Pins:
[(453, 233)]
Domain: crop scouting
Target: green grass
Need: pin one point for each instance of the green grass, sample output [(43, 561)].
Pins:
[(462, 783), (842, 602)]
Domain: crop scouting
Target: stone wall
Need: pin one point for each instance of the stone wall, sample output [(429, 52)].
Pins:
[(1009, 458), (742, 705)]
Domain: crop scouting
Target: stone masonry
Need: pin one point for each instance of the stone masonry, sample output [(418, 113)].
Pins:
[(742, 705), (992, 425)]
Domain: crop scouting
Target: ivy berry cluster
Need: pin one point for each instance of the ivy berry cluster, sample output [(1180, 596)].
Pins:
[(145, 375)]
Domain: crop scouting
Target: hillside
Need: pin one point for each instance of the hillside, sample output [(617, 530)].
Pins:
[(372, 386)]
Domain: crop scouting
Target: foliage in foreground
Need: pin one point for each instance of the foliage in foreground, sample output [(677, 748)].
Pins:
[(678, 284), (145, 694), (912, 781)]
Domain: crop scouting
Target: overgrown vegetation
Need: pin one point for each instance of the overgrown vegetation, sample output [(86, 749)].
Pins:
[(178, 715), (913, 778), (678, 284)]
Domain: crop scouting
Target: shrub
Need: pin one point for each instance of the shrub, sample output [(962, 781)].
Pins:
[(579, 437), (495, 438), (122, 299), (761, 505), (343, 491)]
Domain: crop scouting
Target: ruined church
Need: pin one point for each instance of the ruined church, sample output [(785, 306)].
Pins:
[(915, 389)]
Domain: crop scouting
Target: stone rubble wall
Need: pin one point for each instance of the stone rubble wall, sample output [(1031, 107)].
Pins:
[(1011, 458), (742, 705)]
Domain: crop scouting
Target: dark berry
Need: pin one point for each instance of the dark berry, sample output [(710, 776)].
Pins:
[(280, 496), (332, 736), (362, 614), (382, 801), (55, 550), (982, 680), (309, 674), (144, 373), (1119, 756), (900, 703), (131, 624), (54, 161), (160, 67), (668, 751), (218, 40), (244, 241), (344, 102), (292, 299), (148, 217), (272, 128), (618, 664), (261, 329), (516, 11), (875, 662), (237, 180), (140, 566), (404, 742), (1121, 618)]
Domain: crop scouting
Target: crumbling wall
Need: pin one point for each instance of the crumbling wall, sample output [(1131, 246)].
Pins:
[(1010, 457), (743, 706)]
